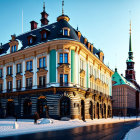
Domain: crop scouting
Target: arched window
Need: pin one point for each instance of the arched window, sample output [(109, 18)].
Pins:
[(65, 107)]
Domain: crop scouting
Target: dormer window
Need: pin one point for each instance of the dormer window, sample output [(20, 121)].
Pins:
[(66, 31), (13, 49), (31, 40), (44, 35)]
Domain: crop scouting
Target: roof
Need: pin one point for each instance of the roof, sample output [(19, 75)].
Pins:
[(55, 32), (120, 80)]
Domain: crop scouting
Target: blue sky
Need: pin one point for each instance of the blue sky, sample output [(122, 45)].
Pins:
[(103, 22)]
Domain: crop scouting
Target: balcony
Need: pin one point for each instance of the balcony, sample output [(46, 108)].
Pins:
[(41, 86), (40, 68), (9, 90), (9, 74), (18, 73), (30, 87), (18, 89), (63, 84), (31, 70)]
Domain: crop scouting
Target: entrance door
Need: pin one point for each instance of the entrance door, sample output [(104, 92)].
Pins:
[(10, 109), (98, 110), (91, 110), (82, 110), (41, 107), (105, 110), (27, 108), (65, 107)]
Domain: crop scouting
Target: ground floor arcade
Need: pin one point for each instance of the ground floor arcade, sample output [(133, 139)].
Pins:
[(74, 103)]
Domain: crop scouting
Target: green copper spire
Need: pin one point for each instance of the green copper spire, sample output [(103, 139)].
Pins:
[(130, 53)]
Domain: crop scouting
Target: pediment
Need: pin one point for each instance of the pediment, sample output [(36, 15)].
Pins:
[(82, 73), (64, 68)]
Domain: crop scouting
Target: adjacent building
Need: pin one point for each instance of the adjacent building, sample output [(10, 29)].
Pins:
[(55, 71), (126, 90)]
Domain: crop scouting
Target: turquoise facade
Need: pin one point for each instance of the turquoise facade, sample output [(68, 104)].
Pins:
[(52, 70), (72, 65)]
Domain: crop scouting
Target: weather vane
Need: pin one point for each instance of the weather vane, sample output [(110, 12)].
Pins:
[(62, 7)]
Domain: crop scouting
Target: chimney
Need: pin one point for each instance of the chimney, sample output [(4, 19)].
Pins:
[(33, 25)]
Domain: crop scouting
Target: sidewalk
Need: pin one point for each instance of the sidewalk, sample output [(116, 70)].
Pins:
[(28, 126)]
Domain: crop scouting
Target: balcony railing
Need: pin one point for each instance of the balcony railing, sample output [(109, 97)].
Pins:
[(64, 84), (30, 87)]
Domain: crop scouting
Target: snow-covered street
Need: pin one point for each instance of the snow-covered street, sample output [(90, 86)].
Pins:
[(27, 125), (133, 134)]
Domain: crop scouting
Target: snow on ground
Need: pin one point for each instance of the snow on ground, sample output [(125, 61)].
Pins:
[(133, 134), (26, 126)]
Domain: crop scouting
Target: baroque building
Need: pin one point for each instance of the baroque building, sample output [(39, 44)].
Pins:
[(126, 90), (54, 70)]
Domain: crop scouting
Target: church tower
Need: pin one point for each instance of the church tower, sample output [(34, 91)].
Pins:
[(130, 73)]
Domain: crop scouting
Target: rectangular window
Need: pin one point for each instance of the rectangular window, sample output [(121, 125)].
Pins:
[(65, 32), (19, 68), (9, 85), (29, 65), (0, 73), (18, 84), (0, 87), (42, 81), (66, 79), (61, 58), (81, 64), (42, 62), (61, 79), (29, 83), (81, 81), (13, 49), (65, 58), (9, 70)]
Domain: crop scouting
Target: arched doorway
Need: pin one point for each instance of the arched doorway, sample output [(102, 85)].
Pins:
[(41, 107), (109, 111), (10, 108), (91, 110), (82, 110), (104, 110), (27, 108), (98, 115), (65, 107)]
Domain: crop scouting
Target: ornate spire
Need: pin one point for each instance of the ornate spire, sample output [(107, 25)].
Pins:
[(62, 7), (130, 53), (43, 6)]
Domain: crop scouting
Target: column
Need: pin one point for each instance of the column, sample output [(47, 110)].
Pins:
[(72, 66), (52, 67), (48, 68), (35, 73), (14, 78), (23, 78), (4, 79)]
